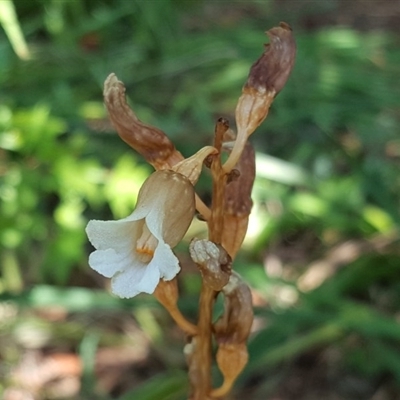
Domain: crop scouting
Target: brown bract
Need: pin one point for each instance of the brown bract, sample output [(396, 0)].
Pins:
[(152, 143), (271, 71)]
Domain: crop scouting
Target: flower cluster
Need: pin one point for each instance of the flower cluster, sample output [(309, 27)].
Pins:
[(136, 251)]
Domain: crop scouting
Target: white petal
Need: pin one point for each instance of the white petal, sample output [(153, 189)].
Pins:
[(150, 279), (113, 234), (128, 283), (108, 262), (165, 261), (154, 222)]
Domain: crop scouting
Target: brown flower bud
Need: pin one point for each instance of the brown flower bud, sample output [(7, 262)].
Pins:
[(235, 323), (231, 332), (238, 201), (231, 359), (213, 261), (152, 143)]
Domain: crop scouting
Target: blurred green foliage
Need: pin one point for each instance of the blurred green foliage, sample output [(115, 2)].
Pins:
[(331, 177)]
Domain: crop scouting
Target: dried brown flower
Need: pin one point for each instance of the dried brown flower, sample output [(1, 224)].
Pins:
[(213, 261), (267, 77), (271, 71), (152, 143)]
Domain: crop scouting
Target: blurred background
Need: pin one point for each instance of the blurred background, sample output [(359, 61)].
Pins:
[(322, 253)]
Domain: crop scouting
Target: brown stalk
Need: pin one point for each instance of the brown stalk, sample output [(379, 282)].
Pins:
[(203, 350), (167, 294), (219, 177)]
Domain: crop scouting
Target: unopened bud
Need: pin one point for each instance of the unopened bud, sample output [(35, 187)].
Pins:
[(191, 167), (238, 201), (213, 261), (231, 332), (231, 359), (235, 323)]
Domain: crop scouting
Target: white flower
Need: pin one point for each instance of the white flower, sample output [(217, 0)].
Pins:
[(136, 251)]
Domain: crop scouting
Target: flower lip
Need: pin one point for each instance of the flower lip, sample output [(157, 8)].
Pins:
[(136, 251)]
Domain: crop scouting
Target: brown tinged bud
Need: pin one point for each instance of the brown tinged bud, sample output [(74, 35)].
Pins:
[(152, 143), (231, 332), (238, 201), (231, 359), (235, 323), (213, 261)]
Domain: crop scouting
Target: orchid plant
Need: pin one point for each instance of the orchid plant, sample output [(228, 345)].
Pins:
[(136, 252)]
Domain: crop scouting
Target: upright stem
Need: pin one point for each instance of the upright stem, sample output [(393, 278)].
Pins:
[(216, 223), (203, 350)]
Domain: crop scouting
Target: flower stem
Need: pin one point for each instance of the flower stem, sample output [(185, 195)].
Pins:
[(237, 150), (216, 222), (203, 349), (202, 208), (182, 322), (167, 294)]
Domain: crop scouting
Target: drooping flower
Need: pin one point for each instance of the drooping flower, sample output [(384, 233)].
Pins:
[(136, 251)]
